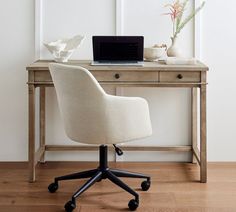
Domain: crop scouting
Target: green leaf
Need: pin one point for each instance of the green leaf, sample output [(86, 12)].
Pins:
[(180, 26), (179, 19)]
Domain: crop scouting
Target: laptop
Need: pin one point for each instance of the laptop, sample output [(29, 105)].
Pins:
[(118, 50)]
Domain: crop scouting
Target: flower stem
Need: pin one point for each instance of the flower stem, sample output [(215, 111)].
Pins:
[(173, 28)]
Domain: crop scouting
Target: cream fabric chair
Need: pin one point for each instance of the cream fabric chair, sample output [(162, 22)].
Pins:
[(93, 117)]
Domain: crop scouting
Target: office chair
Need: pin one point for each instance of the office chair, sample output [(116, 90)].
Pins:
[(93, 117)]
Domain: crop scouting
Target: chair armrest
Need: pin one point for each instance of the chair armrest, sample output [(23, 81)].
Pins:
[(128, 118)]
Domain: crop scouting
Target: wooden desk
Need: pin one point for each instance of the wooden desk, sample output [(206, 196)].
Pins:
[(112, 77)]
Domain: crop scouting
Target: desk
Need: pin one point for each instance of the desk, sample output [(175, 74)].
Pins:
[(152, 74)]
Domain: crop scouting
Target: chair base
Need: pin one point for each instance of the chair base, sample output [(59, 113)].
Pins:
[(96, 175)]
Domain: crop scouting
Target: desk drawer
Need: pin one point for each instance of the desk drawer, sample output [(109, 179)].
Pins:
[(180, 76), (42, 76), (127, 76)]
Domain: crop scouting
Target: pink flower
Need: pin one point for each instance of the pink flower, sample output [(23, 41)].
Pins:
[(176, 13), (176, 10)]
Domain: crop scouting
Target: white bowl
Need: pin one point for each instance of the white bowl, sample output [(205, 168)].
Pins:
[(153, 53)]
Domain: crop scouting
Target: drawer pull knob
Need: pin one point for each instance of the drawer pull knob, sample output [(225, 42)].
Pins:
[(117, 76), (180, 76)]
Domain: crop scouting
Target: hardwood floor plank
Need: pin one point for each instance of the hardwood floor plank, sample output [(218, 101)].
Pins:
[(175, 188)]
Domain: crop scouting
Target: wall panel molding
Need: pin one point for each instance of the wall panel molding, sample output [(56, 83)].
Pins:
[(197, 31), (119, 26), (38, 28), (119, 17)]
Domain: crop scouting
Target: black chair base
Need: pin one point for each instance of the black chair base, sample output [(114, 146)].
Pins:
[(96, 175)]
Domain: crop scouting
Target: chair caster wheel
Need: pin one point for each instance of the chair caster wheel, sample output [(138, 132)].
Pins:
[(133, 204), (145, 185), (69, 206), (53, 187)]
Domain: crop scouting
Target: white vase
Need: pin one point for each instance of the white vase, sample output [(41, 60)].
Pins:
[(173, 50)]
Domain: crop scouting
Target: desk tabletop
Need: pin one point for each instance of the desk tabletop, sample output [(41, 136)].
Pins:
[(42, 65)]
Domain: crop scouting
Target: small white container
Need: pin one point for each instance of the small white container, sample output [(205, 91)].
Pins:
[(154, 53)]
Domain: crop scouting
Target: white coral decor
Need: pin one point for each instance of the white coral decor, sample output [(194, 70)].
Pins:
[(62, 49)]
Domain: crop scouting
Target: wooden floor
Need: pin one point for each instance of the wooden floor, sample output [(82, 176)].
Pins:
[(175, 187)]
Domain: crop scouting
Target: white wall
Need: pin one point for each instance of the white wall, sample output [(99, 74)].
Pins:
[(218, 51), (169, 108), (17, 50)]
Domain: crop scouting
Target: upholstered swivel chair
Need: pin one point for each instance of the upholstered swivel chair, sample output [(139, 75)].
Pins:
[(93, 117)]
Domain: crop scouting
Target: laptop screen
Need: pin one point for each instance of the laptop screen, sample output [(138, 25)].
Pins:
[(118, 48)]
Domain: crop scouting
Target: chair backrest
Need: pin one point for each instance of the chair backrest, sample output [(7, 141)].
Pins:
[(81, 101)]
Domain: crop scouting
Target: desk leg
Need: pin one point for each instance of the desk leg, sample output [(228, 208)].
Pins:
[(31, 128), (42, 122), (203, 144), (194, 121)]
